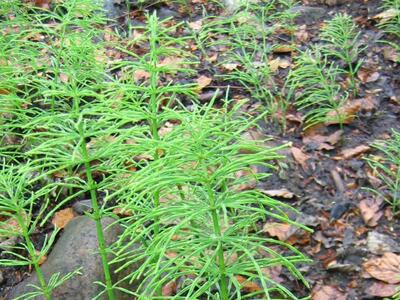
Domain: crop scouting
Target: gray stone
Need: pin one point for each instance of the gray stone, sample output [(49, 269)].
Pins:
[(76, 248), (308, 14), (83, 206)]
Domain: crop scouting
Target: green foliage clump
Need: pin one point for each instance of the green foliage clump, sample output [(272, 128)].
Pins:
[(343, 43), (387, 169), (313, 85)]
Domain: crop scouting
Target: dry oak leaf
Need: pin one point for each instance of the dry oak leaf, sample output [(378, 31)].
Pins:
[(385, 268), (63, 217), (281, 193), (327, 292), (381, 289), (300, 157), (351, 152), (370, 211), (203, 81)]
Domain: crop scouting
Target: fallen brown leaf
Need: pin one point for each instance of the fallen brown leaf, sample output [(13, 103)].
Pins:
[(351, 152), (381, 289), (385, 268), (196, 25), (387, 15), (247, 285), (64, 78), (300, 157), (140, 75), (327, 292), (63, 217), (283, 49), (280, 230), (282, 193), (370, 211), (323, 142), (169, 289), (203, 81), (230, 67), (367, 75), (277, 63)]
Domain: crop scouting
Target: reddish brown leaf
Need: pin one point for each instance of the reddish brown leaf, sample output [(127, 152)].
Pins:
[(327, 292), (381, 289), (169, 289), (247, 285), (140, 75), (370, 211), (323, 142), (63, 217), (281, 230), (385, 268), (367, 75)]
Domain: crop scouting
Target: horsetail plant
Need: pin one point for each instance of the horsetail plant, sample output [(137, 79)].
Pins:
[(207, 234), (343, 42), (387, 169), (391, 24), (313, 85), (18, 218)]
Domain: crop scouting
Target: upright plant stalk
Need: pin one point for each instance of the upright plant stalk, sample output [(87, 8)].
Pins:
[(32, 253), (96, 213), (220, 251)]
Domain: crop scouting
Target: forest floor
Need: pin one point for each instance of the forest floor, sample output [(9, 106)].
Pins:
[(324, 174)]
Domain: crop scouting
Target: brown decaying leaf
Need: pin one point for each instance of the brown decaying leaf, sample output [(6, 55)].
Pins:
[(385, 268), (247, 285), (203, 81), (64, 78), (370, 211), (277, 63), (63, 217), (140, 75), (169, 289), (281, 193), (323, 142), (387, 15), (327, 292), (381, 289), (351, 152), (390, 53), (230, 67), (300, 157), (196, 25), (367, 75), (280, 230)]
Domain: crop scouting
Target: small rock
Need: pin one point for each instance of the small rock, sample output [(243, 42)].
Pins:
[(83, 206), (308, 14), (339, 209), (76, 248), (165, 13), (378, 243)]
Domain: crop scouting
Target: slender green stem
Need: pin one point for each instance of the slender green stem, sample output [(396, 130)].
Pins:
[(33, 255), (220, 251), (96, 214)]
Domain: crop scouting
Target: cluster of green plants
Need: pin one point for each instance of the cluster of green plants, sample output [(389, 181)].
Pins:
[(314, 82), (247, 35), (391, 23), (386, 166), (129, 135)]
